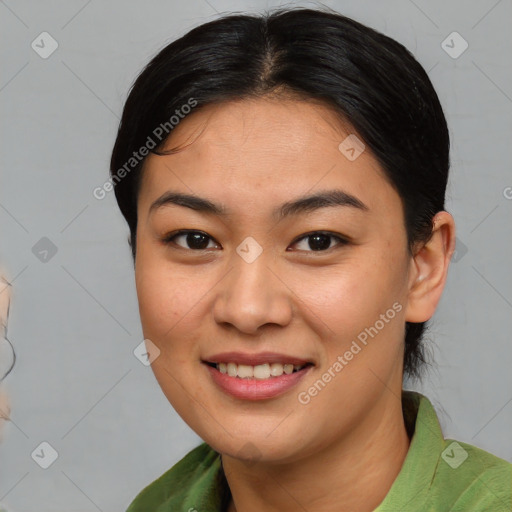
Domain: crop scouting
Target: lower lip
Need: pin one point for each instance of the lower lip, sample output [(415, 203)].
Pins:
[(256, 389)]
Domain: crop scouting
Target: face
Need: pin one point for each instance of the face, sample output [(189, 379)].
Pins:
[(324, 284)]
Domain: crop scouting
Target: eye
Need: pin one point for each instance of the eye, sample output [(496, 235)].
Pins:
[(320, 241), (197, 240)]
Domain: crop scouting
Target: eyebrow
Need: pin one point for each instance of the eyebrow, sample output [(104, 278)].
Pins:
[(304, 204)]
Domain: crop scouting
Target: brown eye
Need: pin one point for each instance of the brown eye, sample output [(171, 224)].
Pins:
[(320, 241), (196, 240)]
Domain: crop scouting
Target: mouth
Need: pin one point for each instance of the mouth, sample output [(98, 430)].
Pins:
[(256, 377), (259, 372)]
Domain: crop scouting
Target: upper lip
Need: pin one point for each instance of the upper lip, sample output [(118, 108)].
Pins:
[(255, 359)]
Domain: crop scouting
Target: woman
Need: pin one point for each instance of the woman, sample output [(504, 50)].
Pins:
[(283, 178)]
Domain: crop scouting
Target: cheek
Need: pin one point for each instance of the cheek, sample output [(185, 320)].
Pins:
[(349, 295), (173, 304), (161, 296), (359, 301)]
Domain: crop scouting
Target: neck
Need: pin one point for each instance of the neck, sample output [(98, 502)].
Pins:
[(355, 473)]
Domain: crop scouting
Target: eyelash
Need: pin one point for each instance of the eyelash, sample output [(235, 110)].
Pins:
[(168, 239)]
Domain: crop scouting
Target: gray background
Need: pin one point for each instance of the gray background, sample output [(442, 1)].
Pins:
[(74, 318)]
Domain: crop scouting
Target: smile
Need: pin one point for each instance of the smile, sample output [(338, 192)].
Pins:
[(258, 382), (260, 371)]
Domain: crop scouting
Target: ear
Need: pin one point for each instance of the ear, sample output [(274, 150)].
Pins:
[(429, 269)]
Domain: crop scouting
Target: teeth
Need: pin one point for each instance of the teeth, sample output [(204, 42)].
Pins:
[(260, 371), (244, 371), (232, 369), (276, 369)]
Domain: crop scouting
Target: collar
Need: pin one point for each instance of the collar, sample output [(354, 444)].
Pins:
[(415, 479)]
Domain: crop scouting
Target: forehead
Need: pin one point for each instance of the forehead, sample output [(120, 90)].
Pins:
[(277, 127), (265, 150)]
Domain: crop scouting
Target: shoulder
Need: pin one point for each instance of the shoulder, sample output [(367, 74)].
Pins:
[(444, 475), (466, 477), (186, 478), (477, 479)]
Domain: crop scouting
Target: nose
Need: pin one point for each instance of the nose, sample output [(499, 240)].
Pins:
[(251, 295)]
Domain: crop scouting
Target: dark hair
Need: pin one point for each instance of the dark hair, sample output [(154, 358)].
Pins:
[(372, 81)]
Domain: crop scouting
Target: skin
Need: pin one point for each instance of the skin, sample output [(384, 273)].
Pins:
[(342, 450)]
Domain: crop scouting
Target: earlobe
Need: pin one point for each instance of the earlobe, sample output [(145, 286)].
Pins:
[(429, 270)]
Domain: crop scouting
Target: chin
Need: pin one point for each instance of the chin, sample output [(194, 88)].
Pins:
[(257, 447)]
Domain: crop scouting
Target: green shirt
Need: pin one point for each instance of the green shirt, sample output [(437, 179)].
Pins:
[(437, 475)]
